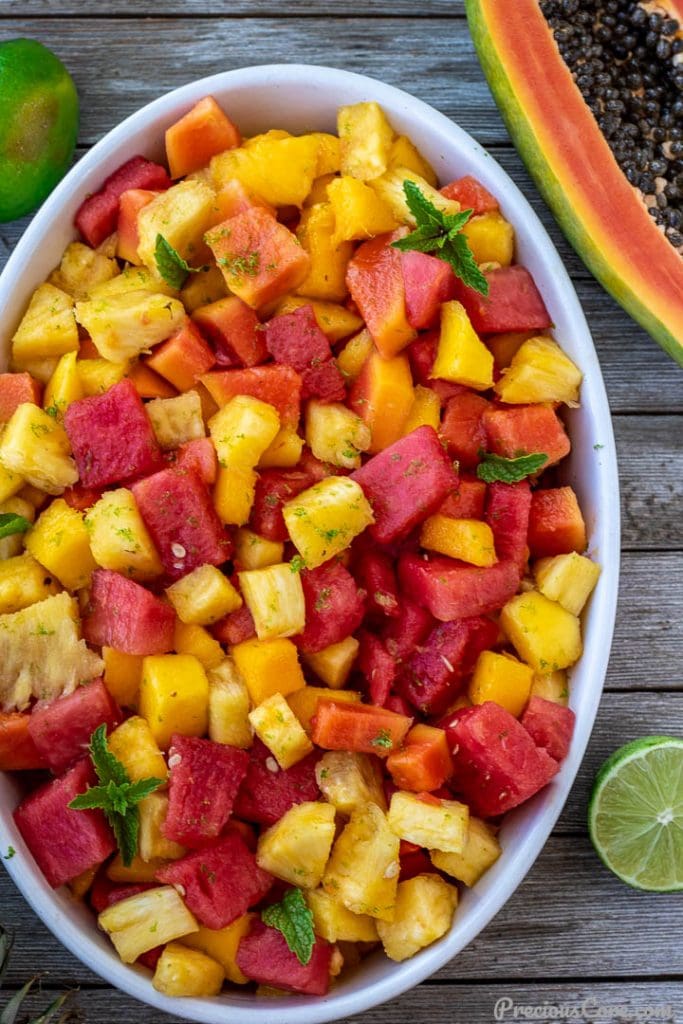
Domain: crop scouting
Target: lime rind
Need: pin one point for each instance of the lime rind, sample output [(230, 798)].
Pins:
[(635, 814)]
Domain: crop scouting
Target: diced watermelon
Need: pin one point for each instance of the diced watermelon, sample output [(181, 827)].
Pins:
[(414, 862), (378, 667), (180, 516), (200, 455), (406, 632), (462, 428), (18, 752), (126, 616), (15, 389), (507, 513), (497, 765), (280, 386), (405, 483), (220, 882), (422, 353), (296, 340), (150, 958), (315, 469), (428, 282), (264, 956), (266, 795), (455, 590), (556, 525), (111, 437), (550, 725), (334, 606), (362, 728), (97, 215), (203, 784), (517, 430), (514, 303), (324, 382), (64, 842), (234, 331), (467, 502), (398, 705), (274, 487), (375, 280), (374, 572), (81, 498), (105, 893), (61, 730), (471, 195), (235, 627), (436, 673)]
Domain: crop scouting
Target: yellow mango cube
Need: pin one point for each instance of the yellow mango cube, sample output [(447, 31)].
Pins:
[(279, 729), (505, 345), (491, 238), (23, 582), (329, 258), (318, 193), (204, 596), (358, 211), (174, 696), (152, 843), (124, 325), (252, 551), (82, 269), (221, 944), (568, 579), (119, 539), (64, 387), (189, 638), (304, 702), (434, 823), (35, 447), (280, 170), (539, 371), (152, 918), (47, 329), (135, 872), (268, 667), (350, 781), (284, 451), (233, 494), (98, 375), (181, 971), (335, 434), (133, 743), (323, 520), (334, 663), (176, 420), (297, 847), (203, 288), (355, 354), (503, 679), (365, 138), (181, 214), (334, 320), (242, 430), (424, 912), (552, 686), (362, 872), (469, 540), (229, 705), (544, 634), (481, 850), (425, 410), (333, 922), (122, 675), (404, 154), (59, 540), (461, 356)]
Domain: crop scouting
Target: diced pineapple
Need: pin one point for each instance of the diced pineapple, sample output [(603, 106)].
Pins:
[(468, 540), (461, 356), (284, 451), (233, 494), (82, 269), (568, 579), (425, 906), (14, 544), (181, 215), (366, 137), (134, 745), (176, 420), (279, 729), (430, 822), (390, 189), (60, 542), (482, 849), (64, 387), (362, 872), (136, 873), (242, 430), (539, 372), (35, 447), (279, 170), (23, 582), (334, 663), (404, 154), (255, 552), (318, 193), (323, 520), (551, 686), (329, 153), (503, 679), (350, 781), (335, 434), (304, 702), (355, 354), (174, 696), (98, 375), (124, 325), (297, 847), (544, 634), (221, 944), (229, 705), (203, 288), (10, 482), (189, 638), (359, 212), (119, 539), (48, 328), (152, 843), (268, 667), (275, 597), (491, 238), (425, 410), (334, 320), (132, 279), (184, 972), (122, 674), (333, 922), (329, 259), (204, 596), (152, 918)]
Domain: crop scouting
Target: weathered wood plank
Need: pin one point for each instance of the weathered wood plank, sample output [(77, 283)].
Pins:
[(650, 454), (232, 8)]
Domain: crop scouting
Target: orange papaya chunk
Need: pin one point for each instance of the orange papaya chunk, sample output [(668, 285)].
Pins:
[(375, 280), (202, 133), (382, 395), (127, 238)]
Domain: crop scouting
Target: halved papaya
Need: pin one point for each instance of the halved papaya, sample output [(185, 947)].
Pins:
[(631, 249)]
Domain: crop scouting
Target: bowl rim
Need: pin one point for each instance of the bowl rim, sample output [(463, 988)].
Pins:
[(232, 1007)]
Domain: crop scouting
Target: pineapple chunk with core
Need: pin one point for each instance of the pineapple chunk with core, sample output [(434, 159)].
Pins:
[(221, 944), (335, 434), (304, 702), (544, 634), (334, 663), (389, 187), (275, 597), (82, 269), (242, 431), (229, 705), (268, 667), (551, 686), (297, 847), (152, 918), (323, 520), (189, 638), (424, 912), (350, 781), (174, 696), (252, 551), (23, 581), (279, 729), (176, 420), (468, 540), (284, 451), (122, 674), (203, 596), (181, 215), (365, 136), (64, 386), (124, 325), (59, 541), (152, 843), (233, 494), (481, 850), (363, 869), (35, 447), (539, 372), (430, 822), (461, 356), (119, 539), (568, 579), (134, 745), (334, 923), (503, 679), (48, 328), (181, 971), (359, 212)]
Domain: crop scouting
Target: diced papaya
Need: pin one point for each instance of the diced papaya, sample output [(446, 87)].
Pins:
[(149, 384), (234, 197), (130, 204), (199, 135), (183, 358), (382, 395), (234, 330), (18, 752), (424, 763), (467, 501), (375, 281), (358, 727), (329, 258), (15, 389), (556, 525)]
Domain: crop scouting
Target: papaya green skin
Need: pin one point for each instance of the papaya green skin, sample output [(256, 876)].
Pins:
[(558, 200), (38, 127)]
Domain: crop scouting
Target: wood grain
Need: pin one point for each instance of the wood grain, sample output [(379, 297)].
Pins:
[(231, 8)]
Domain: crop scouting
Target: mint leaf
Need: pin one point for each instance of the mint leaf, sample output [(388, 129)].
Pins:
[(509, 471), (106, 764), (294, 920), (171, 265), (457, 252), (11, 524)]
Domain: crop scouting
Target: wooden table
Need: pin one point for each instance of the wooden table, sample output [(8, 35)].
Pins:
[(572, 932)]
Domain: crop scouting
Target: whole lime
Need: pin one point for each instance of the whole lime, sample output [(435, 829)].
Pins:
[(38, 127)]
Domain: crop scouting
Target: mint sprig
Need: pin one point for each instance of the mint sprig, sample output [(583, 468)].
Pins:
[(10, 523), (171, 265), (509, 471), (294, 920), (441, 235), (116, 795)]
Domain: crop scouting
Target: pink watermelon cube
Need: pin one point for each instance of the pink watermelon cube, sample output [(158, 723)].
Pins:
[(200, 455), (463, 430), (405, 483), (296, 340), (514, 303), (111, 437), (268, 792), (235, 627), (408, 630), (428, 282), (124, 615), (203, 784), (467, 502), (64, 843), (374, 572), (220, 882), (550, 725), (324, 382), (455, 590), (265, 957), (274, 487), (507, 513), (105, 893), (179, 514), (497, 765), (61, 730), (378, 667), (436, 673), (97, 215), (334, 606)]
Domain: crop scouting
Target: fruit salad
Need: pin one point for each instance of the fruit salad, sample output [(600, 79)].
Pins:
[(289, 582)]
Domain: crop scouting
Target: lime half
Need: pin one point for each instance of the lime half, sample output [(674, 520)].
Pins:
[(635, 815)]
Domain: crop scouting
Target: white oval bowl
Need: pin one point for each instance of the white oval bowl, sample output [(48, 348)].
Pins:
[(302, 98)]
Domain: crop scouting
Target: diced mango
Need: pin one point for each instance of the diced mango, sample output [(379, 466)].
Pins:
[(152, 843), (544, 634), (252, 551), (64, 386), (335, 434), (425, 410), (358, 211), (350, 781), (355, 354), (189, 638), (284, 451), (430, 822), (504, 346), (133, 743), (297, 847), (152, 918), (304, 702), (98, 375), (119, 539), (326, 277), (275, 597), (268, 667), (333, 922), (279, 729), (181, 971), (35, 447), (47, 329), (539, 372), (365, 136), (390, 189), (82, 269), (491, 238), (334, 663), (324, 519), (122, 675), (59, 541), (233, 494), (229, 705), (180, 214), (404, 154), (551, 686), (242, 430), (221, 944), (23, 582), (176, 420), (122, 326), (203, 288), (362, 872), (568, 579), (469, 540), (10, 482), (174, 696), (461, 356), (279, 170), (138, 871), (204, 596), (424, 911), (482, 849), (503, 679)]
